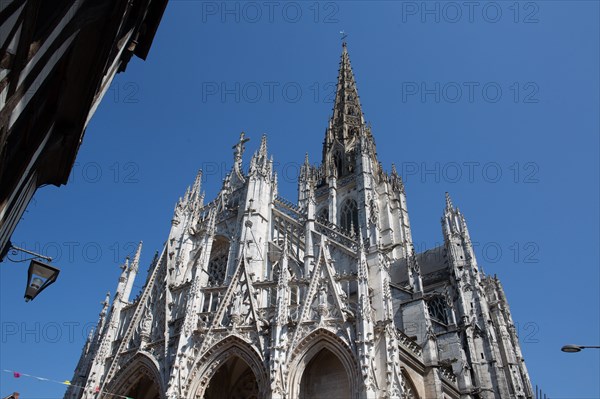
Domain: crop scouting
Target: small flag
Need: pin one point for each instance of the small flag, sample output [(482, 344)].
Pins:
[(67, 382), (97, 389), (16, 374)]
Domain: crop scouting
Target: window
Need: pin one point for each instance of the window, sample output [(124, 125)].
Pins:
[(349, 217), (437, 309), (217, 265)]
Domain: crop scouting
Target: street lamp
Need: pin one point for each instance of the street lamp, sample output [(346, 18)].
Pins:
[(39, 276), (576, 348)]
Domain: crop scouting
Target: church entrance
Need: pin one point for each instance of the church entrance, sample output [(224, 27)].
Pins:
[(233, 380), (145, 388), (325, 378)]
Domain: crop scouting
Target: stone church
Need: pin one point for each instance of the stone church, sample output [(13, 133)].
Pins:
[(254, 296)]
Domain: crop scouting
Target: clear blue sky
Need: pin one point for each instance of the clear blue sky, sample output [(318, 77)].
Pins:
[(518, 151)]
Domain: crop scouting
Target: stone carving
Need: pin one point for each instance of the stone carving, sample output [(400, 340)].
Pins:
[(373, 211), (147, 324), (236, 309)]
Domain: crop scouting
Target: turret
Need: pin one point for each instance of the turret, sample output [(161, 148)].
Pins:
[(254, 212)]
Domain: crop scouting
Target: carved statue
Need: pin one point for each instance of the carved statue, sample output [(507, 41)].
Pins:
[(373, 211), (147, 323), (236, 306), (323, 295)]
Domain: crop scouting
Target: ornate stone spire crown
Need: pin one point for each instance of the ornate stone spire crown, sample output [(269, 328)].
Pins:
[(347, 120)]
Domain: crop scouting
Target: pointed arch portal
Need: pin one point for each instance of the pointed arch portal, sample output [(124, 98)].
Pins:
[(230, 369), (323, 366), (325, 377), (139, 378), (233, 380), (144, 388)]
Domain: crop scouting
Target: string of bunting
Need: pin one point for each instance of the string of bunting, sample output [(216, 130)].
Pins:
[(17, 374)]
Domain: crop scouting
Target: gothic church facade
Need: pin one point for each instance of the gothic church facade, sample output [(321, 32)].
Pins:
[(254, 296)]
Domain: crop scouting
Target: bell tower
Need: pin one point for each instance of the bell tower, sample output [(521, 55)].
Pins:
[(348, 162)]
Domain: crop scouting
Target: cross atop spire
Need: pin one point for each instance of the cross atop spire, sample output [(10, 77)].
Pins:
[(344, 36), (240, 147)]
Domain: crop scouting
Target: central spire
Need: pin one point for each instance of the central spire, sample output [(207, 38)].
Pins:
[(347, 120)]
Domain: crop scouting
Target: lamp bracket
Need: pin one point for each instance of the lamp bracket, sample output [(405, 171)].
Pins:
[(14, 250)]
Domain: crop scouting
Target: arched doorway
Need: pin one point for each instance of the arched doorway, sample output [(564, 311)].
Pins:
[(325, 377), (144, 388), (233, 380)]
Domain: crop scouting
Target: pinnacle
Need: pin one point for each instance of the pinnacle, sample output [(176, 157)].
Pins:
[(449, 205), (260, 157), (136, 257), (263, 146), (197, 184)]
